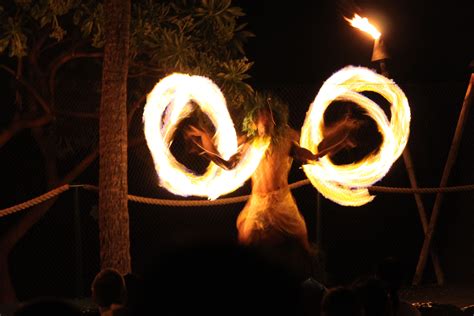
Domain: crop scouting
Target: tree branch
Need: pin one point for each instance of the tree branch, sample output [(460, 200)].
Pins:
[(17, 125), (19, 72), (43, 103), (54, 44), (133, 108), (144, 69), (37, 50), (63, 59), (14, 233), (17, 231), (79, 115), (144, 73), (37, 122)]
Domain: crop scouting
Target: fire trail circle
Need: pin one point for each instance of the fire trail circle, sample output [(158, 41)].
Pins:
[(347, 184)]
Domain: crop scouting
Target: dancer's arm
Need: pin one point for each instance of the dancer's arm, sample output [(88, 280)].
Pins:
[(299, 154), (203, 141), (336, 138), (305, 156)]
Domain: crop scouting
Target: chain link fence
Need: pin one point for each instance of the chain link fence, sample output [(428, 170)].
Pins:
[(60, 254)]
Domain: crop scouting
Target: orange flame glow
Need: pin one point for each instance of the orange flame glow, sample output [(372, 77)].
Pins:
[(363, 24), (347, 184), (167, 105)]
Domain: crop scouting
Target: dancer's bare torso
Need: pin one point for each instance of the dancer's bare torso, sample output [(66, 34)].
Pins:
[(271, 214), (272, 172)]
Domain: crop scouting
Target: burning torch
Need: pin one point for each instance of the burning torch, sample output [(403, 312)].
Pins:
[(380, 56), (379, 52)]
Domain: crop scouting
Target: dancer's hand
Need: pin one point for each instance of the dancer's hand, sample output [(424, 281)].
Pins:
[(338, 137), (234, 160)]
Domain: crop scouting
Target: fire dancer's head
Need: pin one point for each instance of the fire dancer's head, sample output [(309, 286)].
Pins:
[(266, 115)]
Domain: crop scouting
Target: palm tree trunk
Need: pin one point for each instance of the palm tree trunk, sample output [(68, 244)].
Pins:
[(113, 187)]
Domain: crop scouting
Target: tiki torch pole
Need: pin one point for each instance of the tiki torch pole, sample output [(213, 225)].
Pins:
[(380, 57), (453, 151)]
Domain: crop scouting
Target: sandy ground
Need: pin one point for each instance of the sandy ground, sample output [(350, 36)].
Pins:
[(458, 295)]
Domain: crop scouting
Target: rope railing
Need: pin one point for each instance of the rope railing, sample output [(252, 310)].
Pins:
[(37, 200), (222, 201)]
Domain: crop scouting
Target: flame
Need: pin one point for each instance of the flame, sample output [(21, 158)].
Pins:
[(168, 104), (346, 184), (363, 24)]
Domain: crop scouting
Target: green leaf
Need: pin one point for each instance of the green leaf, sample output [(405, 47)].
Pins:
[(4, 44), (236, 11), (45, 20), (87, 28), (24, 4), (58, 33), (240, 27), (77, 16), (39, 9), (245, 34), (18, 45)]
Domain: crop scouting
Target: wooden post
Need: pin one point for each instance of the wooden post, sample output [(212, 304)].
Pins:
[(78, 239), (380, 55), (453, 151), (319, 224), (422, 213)]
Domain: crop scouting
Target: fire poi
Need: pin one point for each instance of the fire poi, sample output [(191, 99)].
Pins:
[(169, 103), (346, 184)]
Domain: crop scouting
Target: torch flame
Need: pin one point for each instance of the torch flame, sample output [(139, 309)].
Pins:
[(363, 24)]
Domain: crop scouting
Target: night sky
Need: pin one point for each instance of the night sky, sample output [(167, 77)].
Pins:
[(307, 41), (302, 43)]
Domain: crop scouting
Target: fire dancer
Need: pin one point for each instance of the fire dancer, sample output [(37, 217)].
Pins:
[(271, 216)]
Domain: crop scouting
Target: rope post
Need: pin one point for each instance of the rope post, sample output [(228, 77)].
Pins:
[(422, 213), (453, 151), (381, 57), (319, 224), (78, 241)]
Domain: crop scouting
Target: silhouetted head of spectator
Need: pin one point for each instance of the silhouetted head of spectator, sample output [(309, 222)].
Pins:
[(389, 270), (223, 279), (108, 288), (340, 301), (134, 285), (374, 296), (312, 293), (48, 306)]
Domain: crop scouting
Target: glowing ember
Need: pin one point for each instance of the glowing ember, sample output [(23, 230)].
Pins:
[(363, 24), (167, 105), (346, 184)]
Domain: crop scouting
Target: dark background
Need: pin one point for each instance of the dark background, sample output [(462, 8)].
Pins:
[(306, 41), (298, 45)]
